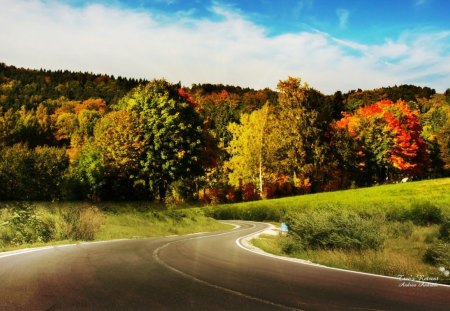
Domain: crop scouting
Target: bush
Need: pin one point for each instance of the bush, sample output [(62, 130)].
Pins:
[(212, 196), (249, 192), (420, 213), (401, 229), (180, 191), (425, 213), (81, 223), (32, 174), (255, 213), (334, 229), (23, 225), (290, 245), (438, 254), (444, 230)]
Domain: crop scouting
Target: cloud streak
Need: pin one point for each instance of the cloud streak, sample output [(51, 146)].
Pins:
[(343, 16), (228, 49)]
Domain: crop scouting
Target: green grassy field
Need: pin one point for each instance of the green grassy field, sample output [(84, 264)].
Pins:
[(385, 198), (399, 229), (45, 223)]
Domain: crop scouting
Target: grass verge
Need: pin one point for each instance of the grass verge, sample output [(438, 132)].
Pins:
[(24, 224), (394, 230)]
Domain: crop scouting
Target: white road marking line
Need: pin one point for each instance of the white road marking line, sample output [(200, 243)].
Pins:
[(43, 248), (308, 263), (193, 278)]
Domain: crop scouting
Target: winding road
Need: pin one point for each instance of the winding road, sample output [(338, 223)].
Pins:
[(211, 271)]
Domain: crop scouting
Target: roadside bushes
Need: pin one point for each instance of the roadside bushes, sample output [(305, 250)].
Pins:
[(255, 213), (420, 213), (24, 223), (79, 224), (20, 224), (439, 252), (334, 229)]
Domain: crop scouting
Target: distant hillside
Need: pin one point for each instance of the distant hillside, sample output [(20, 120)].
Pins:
[(19, 86)]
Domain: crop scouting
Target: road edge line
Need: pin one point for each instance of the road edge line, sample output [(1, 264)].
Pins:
[(245, 244)]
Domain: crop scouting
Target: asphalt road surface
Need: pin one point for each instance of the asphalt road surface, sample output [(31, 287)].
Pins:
[(197, 272)]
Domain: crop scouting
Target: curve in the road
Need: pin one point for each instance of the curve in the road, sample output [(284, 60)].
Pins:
[(228, 290), (197, 272)]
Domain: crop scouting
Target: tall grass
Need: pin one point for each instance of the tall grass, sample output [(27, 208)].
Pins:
[(27, 224), (400, 229)]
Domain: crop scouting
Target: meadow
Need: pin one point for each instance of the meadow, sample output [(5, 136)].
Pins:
[(398, 229)]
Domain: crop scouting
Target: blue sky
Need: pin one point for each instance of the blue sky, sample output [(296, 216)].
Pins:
[(332, 45)]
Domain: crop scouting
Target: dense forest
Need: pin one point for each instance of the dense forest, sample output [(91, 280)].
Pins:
[(73, 136)]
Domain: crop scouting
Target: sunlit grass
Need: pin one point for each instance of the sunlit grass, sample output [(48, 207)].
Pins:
[(399, 256), (382, 198), (109, 220), (139, 225), (407, 214)]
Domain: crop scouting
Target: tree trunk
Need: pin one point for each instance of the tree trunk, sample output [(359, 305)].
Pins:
[(162, 189)]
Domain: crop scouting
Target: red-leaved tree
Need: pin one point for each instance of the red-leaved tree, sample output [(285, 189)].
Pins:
[(388, 140)]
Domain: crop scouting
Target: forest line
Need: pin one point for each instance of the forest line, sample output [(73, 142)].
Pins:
[(66, 135)]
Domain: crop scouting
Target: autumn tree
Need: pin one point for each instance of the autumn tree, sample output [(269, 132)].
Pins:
[(74, 122), (248, 148), (435, 119), (172, 128), (301, 151), (389, 139), (121, 145)]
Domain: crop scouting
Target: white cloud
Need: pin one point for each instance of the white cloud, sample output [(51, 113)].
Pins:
[(343, 16), (230, 50)]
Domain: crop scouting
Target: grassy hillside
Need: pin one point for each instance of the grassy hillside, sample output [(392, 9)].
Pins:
[(385, 198), (401, 229)]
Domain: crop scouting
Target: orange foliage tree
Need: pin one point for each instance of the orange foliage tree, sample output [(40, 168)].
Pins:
[(388, 139)]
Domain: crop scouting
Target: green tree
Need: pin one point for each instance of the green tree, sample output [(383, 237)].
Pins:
[(302, 150), (435, 119), (50, 167), (173, 130), (88, 174), (32, 174)]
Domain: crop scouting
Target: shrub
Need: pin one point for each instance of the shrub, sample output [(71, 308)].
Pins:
[(334, 229), (268, 191), (290, 245), (401, 229), (256, 213), (233, 195), (438, 254), (444, 230), (212, 196), (425, 213), (420, 213), (80, 223), (249, 192), (180, 191), (23, 225), (32, 174)]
